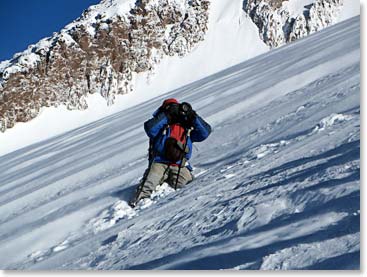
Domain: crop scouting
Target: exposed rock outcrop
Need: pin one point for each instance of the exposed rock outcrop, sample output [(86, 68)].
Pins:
[(278, 26), (100, 52)]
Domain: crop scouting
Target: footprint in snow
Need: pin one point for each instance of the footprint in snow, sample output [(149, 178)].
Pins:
[(121, 210)]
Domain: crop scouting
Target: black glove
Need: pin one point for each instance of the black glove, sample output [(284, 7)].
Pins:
[(187, 114), (190, 118), (172, 112)]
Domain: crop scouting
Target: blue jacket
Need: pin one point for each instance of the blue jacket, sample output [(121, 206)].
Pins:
[(155, 127)]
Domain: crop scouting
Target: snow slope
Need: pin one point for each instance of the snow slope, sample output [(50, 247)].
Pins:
[(277, 182), (349, 9), (231, 38)]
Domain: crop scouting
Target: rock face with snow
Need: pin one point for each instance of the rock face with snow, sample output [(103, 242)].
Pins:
[(98, 53), (280, 22)]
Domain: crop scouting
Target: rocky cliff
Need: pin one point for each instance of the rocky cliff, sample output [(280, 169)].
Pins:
[(100, 52), (279, 23)]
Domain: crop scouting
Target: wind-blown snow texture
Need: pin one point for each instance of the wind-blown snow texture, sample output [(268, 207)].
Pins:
[(277, 182)]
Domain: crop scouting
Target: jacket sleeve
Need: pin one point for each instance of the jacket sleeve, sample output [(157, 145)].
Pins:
[(201, 130), (154, 125)]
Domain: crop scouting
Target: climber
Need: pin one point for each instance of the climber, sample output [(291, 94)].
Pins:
[(171, 131)]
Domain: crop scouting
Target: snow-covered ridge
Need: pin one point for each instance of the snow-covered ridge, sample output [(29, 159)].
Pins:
[(101, 52), (280, 22)]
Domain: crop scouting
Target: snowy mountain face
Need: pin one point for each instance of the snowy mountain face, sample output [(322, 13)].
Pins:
[(280, 22), (277, 182), (98, 53), (115, 47)]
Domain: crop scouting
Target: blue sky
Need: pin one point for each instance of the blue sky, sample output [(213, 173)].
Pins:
[(24, 22)]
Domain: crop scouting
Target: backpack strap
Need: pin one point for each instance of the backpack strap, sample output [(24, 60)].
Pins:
[(165, 129), (184, 135)]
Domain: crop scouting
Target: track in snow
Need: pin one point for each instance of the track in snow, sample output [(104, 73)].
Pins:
[(277, 185)]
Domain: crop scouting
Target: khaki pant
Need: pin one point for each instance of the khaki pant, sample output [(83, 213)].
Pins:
[(159, 173)]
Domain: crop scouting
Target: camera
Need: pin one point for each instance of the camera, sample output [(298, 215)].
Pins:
[(185, 108)]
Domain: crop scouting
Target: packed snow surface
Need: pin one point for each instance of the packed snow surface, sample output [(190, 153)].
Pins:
[(277, 183)]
